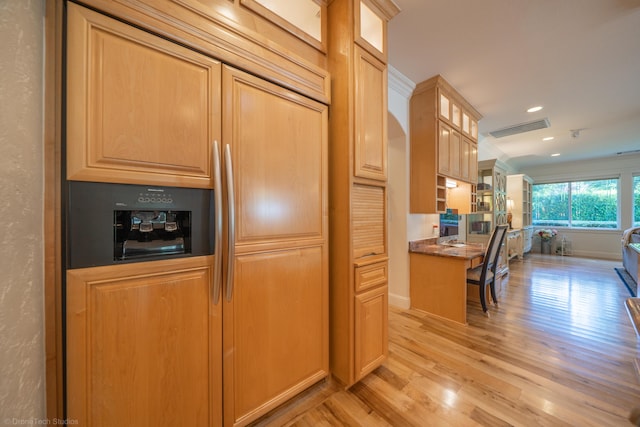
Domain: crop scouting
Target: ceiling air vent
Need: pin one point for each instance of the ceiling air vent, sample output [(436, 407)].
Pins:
[(521, 128), (622, 153)]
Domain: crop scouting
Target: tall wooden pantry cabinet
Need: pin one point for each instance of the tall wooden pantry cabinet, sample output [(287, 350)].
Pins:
[(357, 51), (204, 340)]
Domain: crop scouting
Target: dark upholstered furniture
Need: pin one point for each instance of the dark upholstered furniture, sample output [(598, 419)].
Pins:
[(485, 273)]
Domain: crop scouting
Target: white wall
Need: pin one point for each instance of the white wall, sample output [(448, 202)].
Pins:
[(22, 356), (398, 187), (397, 191), (403, 227), (594, 243)]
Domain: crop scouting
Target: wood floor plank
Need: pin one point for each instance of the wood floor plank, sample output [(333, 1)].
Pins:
[(559, 350)]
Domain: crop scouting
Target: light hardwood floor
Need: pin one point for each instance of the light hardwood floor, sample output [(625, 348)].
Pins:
[(558, 351)]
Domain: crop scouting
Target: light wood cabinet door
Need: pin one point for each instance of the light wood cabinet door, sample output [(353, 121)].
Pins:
[(370, 151), (278, 144), (307, 20), (466, 124), (144, 345), (276, 311), (449, 141), (371, 330), (474, 130), (468, 160), (456, 115), (473, 162), (444, 105), (369, 225), (371, 275), (444, 144), (455, 154), (140, 109), (465, 158), (275, 331), (371, 26)]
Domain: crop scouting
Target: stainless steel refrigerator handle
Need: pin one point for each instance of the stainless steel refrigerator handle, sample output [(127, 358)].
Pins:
[(232, 221), (217, 192)]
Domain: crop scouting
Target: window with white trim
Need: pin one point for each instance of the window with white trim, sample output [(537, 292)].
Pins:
[(577, 204)]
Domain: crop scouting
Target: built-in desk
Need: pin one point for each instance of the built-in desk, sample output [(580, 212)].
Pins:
[(438, 277)]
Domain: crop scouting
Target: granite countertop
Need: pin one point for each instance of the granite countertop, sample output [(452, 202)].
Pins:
[(431, 247)]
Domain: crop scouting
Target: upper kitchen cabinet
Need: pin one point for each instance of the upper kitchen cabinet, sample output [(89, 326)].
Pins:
[(449, 160), (282, 41), (306, 19), (370, 150), (140, 109), (358, 186), (444, 149), (469, 157), (370, 31)]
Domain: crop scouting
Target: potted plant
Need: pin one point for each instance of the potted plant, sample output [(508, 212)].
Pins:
[(546, 234)]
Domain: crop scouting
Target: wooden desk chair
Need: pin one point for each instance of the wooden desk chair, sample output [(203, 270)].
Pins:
[(485, 273)]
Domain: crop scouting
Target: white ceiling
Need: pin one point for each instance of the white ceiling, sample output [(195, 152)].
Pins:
[(579, 59)]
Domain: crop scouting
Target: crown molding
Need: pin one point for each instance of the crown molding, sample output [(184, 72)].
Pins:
[(399, 82)]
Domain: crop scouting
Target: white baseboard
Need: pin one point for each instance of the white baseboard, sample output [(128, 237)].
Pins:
[(613, 256), (399, 301)]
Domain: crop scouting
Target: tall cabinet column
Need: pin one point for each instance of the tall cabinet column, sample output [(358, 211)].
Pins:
[(357, 50)]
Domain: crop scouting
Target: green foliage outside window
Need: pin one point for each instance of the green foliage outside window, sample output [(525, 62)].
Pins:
[(551, 204), (579, 204)]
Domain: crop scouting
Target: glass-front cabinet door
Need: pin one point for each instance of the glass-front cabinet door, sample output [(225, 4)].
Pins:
[(444, 108), (455, 115), (305, 19), (491, 208), (371, 27), (480, 223), (491, 202)]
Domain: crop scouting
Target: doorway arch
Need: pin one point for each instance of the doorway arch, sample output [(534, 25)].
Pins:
[(398, 208)]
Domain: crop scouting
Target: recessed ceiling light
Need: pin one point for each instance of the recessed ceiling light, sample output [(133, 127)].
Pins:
[(548, 138), (534, 109), (555, 154)]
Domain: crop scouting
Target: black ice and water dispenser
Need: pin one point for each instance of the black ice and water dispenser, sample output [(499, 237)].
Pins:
[(120, 223)]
